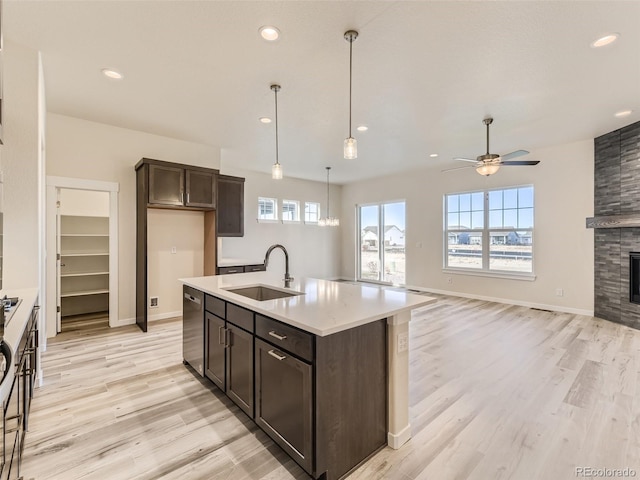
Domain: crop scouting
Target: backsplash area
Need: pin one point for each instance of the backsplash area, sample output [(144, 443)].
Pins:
[(617, 223)]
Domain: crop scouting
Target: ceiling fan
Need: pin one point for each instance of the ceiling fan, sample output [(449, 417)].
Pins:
[(490, 163)]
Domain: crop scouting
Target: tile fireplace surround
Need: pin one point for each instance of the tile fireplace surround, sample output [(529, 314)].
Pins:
[(616, 222)]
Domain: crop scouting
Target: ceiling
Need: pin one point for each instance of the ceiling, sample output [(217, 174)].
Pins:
[(425, 74)]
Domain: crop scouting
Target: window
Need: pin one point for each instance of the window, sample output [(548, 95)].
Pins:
[(490, 230), (267, 208), (311, 212), (381, 257), (290, 210)]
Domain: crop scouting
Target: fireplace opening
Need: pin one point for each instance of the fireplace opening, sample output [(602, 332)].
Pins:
[(634, 277)]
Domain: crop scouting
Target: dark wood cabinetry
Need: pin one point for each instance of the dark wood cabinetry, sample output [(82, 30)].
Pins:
[(322, 399), (229, 351), (241, 269), (230, 217), (284, 401), (17, 405), (180, 186)]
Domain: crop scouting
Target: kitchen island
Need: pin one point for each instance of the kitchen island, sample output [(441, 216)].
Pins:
[(323, 370)]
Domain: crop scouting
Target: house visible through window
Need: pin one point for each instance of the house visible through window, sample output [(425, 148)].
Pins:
[(267, 208), (291, 210), (490, 230), (311, 212)]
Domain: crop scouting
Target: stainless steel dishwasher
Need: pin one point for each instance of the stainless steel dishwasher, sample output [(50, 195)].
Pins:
[(193, 328)]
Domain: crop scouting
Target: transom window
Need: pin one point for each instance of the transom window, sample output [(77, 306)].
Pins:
[(290, 210), (311, 212), (267, 208), (490, 230)]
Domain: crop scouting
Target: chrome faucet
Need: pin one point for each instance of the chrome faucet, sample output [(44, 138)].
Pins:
[(287, 278)]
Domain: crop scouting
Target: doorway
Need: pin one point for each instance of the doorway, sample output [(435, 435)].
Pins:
[(381, 256), (82, 219)]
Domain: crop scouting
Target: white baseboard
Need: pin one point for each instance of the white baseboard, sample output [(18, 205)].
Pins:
[(150, 318), (542, 306), (396, 440)]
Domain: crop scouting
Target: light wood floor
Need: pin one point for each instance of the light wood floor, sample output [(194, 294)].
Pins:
[(497, 392)]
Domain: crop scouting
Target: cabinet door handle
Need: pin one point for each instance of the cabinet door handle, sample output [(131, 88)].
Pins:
[(220, 340), (276, 355), (275, 335)]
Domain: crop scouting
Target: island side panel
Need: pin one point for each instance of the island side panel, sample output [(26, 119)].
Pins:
[(351, 398), (398, 387)]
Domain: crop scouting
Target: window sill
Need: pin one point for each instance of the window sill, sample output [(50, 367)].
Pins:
[(527, 277), (264, 220)]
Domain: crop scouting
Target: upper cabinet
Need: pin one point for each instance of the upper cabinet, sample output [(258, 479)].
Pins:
[(230, 213), (175, 185)]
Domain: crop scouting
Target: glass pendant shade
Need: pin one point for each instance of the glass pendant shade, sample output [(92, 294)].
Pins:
[(276, 171), (350, 148), (487, 169)]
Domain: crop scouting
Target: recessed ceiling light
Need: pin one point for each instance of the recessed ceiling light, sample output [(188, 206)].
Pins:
[(362, 128), (269, 33), (605, 40), (265, 119), (623, 113), (111, 73), (433, 155)]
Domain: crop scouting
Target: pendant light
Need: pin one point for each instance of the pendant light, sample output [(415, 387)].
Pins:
[(350, 143), (328, 220), (276, 169)]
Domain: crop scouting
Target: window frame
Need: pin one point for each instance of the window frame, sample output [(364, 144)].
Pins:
[(297, 210), (318, 213), (275, 210), (486, 232)]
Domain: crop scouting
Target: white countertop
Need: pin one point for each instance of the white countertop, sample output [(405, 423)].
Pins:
[(15, 328), (326, 307), (235, 262)]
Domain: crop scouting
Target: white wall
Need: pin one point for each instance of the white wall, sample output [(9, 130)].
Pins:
[(21, 166), (186, 234), (313, 251), (563, 250), (88, 150), (84, 203)]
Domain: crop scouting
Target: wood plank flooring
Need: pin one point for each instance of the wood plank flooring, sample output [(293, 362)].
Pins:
[(497, 392)]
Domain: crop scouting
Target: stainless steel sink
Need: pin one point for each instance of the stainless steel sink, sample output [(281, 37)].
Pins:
[(262, 293)]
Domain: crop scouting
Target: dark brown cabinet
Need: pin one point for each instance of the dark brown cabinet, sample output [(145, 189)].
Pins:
[(322, 399), (284, 401), (229, 351), (230, 213), (17, 405), (181, 187), (241, 269)]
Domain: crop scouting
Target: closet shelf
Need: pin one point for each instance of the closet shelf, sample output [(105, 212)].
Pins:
[(84, 293), (82, 274)]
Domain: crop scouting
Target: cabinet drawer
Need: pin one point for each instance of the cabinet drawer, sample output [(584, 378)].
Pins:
[(239, 316), (228, 270), (215, 306), (285, 337), (255, 268)]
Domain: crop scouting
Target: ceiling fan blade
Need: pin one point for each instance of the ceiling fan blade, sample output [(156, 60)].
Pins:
[(466, 159), (457, 168), (521, 162), (517, 153)]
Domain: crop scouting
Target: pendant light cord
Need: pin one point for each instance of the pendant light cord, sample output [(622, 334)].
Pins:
[(328, 169), (350, 79), (275, 90)]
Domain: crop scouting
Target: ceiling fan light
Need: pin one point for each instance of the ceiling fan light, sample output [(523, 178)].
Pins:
[(350, 148), (487, 169), (276, 171)]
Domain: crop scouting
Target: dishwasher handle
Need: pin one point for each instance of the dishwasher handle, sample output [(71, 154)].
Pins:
[(193, 299)]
